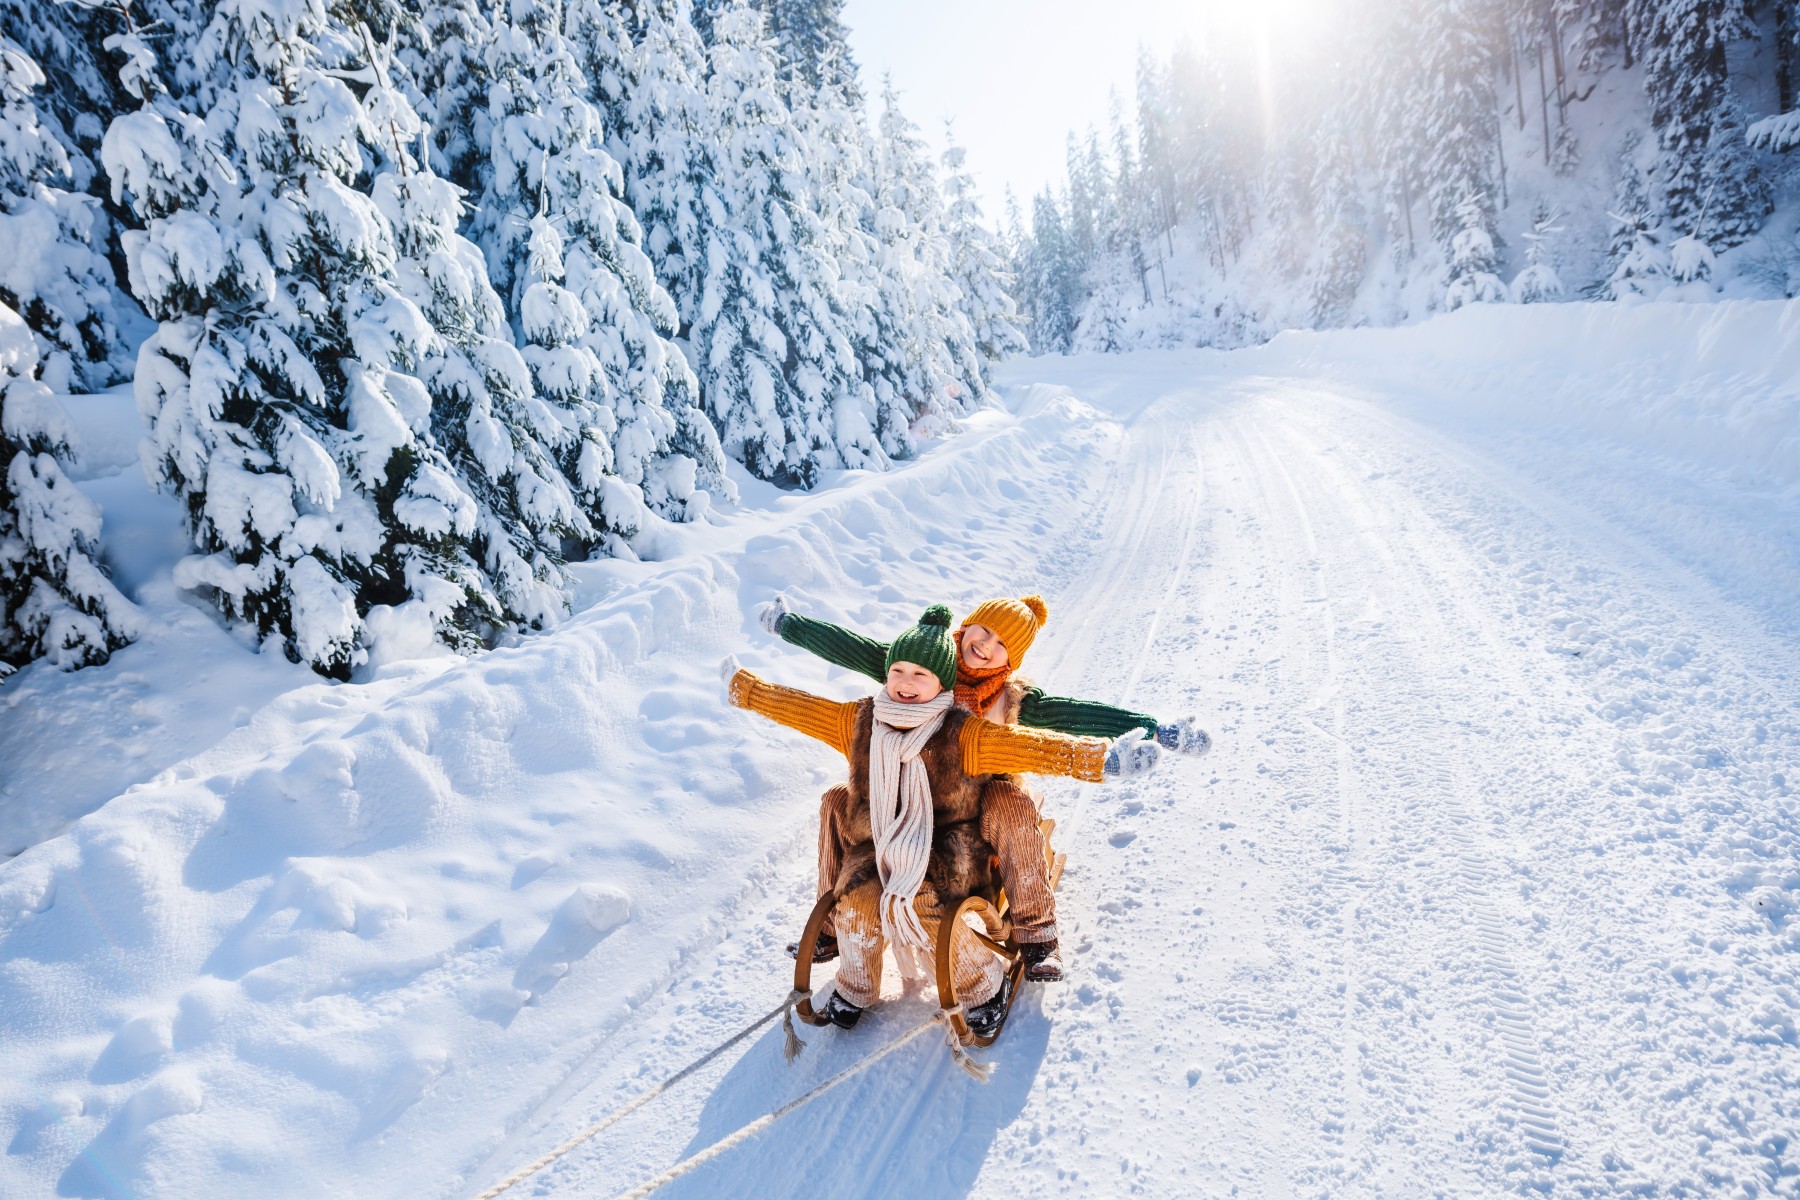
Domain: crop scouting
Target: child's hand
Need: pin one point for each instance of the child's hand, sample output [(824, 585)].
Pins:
[(1131, 754), (771, 615), (727, 672), (1184, 737)]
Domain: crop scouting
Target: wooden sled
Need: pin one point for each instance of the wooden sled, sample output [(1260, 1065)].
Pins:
[(995, 931)]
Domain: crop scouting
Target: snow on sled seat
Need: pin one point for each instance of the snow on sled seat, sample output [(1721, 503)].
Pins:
[(984, 918)]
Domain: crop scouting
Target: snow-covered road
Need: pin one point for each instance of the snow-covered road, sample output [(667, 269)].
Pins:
[(1490, 886), (1485, 891)]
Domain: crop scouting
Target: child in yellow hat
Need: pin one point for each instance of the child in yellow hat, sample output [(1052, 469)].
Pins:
[(921, 767), (991, 645)]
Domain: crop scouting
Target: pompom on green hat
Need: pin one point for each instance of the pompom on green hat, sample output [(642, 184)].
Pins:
[(929, 645)]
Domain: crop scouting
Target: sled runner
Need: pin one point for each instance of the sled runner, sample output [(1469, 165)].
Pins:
[(983, 918)]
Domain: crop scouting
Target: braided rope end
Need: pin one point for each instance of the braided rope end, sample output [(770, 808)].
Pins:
[(791, 1044), (979, 1072)]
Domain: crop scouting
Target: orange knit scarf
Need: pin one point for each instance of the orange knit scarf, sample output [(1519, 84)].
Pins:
[(977, 690)]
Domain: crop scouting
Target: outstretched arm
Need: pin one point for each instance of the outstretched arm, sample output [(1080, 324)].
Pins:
[(1081, 718), (833, 643), (830, 721), (990, 749), (1090, 718)]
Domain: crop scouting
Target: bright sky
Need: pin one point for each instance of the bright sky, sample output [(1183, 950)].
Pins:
[(1018, 75)]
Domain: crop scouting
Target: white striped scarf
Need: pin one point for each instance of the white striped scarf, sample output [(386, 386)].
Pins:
[(900, 815)]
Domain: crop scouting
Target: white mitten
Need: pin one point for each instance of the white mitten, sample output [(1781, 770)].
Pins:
[(771, 615), (1131, 754), (727, 672), (1184, 736)]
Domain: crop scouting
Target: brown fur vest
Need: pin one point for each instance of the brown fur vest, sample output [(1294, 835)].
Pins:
[(1006, 706), (961, 859)]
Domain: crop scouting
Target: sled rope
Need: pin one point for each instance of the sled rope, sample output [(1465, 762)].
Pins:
[(785, 1008), (979, 1072), (755, 1127)]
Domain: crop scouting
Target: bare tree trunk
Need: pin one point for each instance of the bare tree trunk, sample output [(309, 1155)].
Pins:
[(1562, 92), (1518, 83), (1412, 246), (1500, 152), (1784, 53), (1544, 103)]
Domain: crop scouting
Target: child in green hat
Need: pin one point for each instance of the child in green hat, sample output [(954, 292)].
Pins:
[(918, 766)]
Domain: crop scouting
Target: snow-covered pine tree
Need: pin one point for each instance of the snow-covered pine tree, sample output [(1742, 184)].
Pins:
[(1738, 198), (1081, 203), (1643, 268), (445, 56), (282, 388), (1157, 127), (1539, 282), (646, 72), (929, 362), (778, 374), (592, 319), (1343, 239), (978, 264), (1691, 260), (704, 14), (711, 160), (874, 299), (81, 91), (1473, 262), (1711, 186), (52, 273), (1460, 132), (1781, 132), (812, 46), (1053, 275), (55, 600), (1133, 203), (1288, 203), (496, 434), (1598, 32)]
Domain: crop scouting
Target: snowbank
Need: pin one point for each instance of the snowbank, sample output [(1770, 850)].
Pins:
[(1714, 385), (327, 940)]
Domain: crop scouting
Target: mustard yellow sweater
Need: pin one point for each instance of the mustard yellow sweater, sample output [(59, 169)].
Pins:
[(987, 748)]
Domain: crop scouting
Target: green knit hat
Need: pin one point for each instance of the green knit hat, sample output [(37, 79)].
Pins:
[(929, 645)]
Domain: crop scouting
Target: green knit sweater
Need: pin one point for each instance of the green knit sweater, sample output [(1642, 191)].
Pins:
[(866, 656)]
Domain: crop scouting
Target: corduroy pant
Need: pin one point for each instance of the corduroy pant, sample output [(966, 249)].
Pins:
[(975, 970), (1009, 822)]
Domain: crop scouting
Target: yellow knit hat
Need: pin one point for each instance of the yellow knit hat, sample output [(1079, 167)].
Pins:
[(1014, 622)]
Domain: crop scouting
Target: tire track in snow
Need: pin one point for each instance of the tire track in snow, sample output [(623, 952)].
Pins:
[(1342, 1127), (1510, 996), (1665, 978), (1435, 774)]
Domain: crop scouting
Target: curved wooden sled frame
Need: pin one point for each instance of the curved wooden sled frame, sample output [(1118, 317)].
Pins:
[(996, 934)]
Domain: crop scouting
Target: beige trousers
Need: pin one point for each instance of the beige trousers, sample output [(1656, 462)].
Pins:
[(974, 969)]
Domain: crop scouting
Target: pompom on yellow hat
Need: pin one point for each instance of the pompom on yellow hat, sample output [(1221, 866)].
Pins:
[(1014, 622)]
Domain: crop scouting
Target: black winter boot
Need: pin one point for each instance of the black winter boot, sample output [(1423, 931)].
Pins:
[(842, 1013), (1043, 963), (824, 950), (985, 1019)]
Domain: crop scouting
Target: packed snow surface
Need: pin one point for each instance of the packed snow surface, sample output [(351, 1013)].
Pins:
[(1488, 887)]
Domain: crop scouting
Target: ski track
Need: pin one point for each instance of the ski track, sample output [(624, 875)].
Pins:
[(1381, 942)]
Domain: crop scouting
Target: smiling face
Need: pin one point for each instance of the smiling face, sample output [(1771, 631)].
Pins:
[(982, 649), (909, 683)]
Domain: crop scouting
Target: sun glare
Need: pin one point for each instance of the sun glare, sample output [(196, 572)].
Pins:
[(1271, 23), (1272, 34)]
